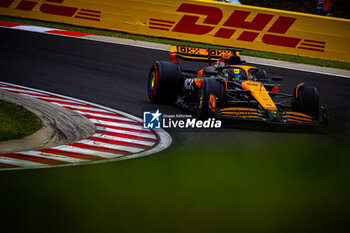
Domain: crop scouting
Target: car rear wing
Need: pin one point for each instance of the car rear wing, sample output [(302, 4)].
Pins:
[(199, 54)]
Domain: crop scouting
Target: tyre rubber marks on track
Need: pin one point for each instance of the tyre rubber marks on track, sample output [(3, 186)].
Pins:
[(117, 136)]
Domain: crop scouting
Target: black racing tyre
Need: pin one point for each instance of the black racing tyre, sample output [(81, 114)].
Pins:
[(209, 86), (261, 75), (164, 82), (307, 100)]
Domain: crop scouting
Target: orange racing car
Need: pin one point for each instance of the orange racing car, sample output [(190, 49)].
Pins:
[(226, 88)]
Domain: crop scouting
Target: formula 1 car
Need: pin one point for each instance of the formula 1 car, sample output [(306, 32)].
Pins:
[(228, 89)]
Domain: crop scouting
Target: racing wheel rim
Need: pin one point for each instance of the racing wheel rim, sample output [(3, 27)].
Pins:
[(201, 101), (152, 82)]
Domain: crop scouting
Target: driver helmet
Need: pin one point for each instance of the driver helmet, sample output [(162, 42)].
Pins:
[(234, 74)]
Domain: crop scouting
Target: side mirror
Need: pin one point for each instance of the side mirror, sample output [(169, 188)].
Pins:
[(277, 78)]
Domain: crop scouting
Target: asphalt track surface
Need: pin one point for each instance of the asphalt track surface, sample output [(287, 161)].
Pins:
[(116, 76)]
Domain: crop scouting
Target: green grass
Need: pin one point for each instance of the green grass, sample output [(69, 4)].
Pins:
[(299, 185), (254, 53), (16, 122)]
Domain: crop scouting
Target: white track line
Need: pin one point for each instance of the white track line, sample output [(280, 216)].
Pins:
[(116, 124), (18, 91), (111, 146), (87, 114), (33, 28), (68, 148), (81, 107), (121, 139), (21, 163), (144, 135), (300, 69), (53, 156), (52, 99)]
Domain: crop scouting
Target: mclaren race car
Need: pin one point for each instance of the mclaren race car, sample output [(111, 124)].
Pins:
[(226, 88)]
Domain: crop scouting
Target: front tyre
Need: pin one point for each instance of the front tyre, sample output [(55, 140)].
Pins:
[(164, 82), (209, 86), (307, 100)]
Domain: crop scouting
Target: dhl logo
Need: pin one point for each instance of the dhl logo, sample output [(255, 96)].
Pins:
[(237, 20), (54, 7)]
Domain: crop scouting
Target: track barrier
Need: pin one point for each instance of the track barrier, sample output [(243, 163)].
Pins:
[(202, 21)]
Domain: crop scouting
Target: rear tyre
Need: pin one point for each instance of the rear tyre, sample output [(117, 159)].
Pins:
[(307, 100), (209, 86), (261, 75), (164, 82)]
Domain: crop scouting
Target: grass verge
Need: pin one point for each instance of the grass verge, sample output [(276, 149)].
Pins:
[(16, 122), (254, 53)]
